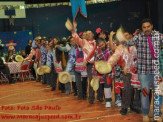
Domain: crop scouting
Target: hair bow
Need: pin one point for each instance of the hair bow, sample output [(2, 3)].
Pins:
[(81, 33), (98, 30)]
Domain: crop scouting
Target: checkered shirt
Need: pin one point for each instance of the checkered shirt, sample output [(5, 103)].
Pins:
[(102, 55), (145, 63)]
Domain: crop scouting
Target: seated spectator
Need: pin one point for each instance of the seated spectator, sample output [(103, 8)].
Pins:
[(23, 54), (28, 47), (10, 57), (5, 70)]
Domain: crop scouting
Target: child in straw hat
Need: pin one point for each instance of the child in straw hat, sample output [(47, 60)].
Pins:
[(127, 54), (103, 53), (71, 49)]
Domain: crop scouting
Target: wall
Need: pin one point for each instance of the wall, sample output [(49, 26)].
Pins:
[(51, 21)]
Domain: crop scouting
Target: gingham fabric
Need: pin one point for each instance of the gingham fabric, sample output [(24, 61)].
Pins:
[(102, 55), (145, 61), (43, 55), (14, 67)]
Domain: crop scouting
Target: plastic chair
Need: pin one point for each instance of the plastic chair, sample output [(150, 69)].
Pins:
[(24, 70), (3, 78)]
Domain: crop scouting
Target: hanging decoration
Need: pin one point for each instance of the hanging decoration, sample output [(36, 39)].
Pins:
[(40, 5), (11, 45), (78, 5)]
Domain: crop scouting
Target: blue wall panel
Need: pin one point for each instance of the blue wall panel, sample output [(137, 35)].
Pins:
[(19, 37)]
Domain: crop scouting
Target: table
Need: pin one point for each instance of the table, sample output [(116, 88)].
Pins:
[(14, 67)]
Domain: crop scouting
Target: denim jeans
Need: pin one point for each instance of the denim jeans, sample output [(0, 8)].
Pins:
[(146, 81)]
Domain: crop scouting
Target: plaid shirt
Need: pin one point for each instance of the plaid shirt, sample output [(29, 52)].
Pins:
[(43, 55), (49, 61), (145, 63), (71, 61), (102, 55)]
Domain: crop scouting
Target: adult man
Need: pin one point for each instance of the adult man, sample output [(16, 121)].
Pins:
[(148, 46), (28, 47)]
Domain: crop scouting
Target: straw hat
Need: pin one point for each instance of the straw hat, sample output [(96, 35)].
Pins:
[(103, 67), (46, 69), (120, 35), (39, 37), (95, 83), (19, 58), (64, 77), (92, 82), (64, 39), (161, 88), (40, 71), (69, 25)]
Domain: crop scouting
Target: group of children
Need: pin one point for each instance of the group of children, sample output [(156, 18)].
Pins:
[(81, 51)]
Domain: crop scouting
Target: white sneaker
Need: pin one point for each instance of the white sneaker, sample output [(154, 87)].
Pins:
[(108, 104), (118, 103)]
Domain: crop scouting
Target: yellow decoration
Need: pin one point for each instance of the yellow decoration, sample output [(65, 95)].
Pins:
[(30, 33), (15, 32), (53, 4), (65, 3)]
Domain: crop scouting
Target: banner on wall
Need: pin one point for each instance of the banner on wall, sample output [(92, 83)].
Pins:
[(19, 37)]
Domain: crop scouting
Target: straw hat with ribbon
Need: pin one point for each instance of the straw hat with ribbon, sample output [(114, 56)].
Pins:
[(103, 67), (64, 77), (19, 58)]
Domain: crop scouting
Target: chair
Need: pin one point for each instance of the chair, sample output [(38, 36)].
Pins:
[(3, 78), (24, 70)]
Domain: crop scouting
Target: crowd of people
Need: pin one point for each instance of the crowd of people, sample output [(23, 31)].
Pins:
[(133, 84)]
